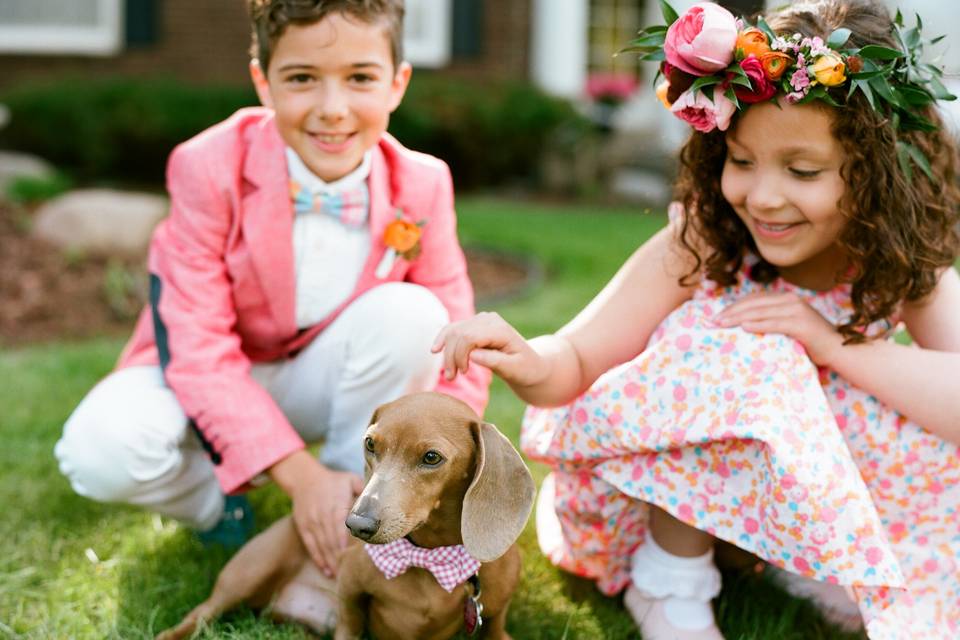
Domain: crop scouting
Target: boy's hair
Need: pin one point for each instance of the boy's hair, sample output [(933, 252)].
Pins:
[(270, 18), (901, 232)]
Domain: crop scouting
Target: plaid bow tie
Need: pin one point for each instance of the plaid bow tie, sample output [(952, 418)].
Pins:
[(349, 206), (449, 565)]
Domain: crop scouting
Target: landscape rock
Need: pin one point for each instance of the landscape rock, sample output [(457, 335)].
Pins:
[(100, 221), (21, 165)]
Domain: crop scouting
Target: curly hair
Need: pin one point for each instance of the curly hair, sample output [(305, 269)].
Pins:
[(900, 232), (270, 18)]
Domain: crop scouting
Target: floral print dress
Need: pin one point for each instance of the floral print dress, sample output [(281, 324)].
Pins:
[(741, 436)]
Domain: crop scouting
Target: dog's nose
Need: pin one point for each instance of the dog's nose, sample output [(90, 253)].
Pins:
[(362, 527)]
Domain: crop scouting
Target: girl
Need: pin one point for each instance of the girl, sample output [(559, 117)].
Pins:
[(735, 380)]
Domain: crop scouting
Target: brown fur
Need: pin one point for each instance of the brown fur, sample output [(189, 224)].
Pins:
[(479, 496)]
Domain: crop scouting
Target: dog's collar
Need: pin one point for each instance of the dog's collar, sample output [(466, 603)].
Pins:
[(450, 566)]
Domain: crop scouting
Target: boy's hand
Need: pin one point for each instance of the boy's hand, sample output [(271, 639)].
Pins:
[(322, 498), (788, 314), (488, 340)]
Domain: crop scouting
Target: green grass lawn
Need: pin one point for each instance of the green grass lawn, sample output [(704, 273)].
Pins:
[(71, 568)]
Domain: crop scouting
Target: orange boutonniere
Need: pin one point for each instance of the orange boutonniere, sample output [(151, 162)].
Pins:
[(402, 238)]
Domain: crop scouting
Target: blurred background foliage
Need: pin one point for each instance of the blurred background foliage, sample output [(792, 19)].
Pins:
[(117, 129)]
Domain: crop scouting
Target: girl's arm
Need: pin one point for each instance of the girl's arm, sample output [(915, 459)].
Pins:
[(921, 383), (613, 328)]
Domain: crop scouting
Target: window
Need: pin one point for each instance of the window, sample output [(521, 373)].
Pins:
[(92, 27), (613, 23), (426, 33)]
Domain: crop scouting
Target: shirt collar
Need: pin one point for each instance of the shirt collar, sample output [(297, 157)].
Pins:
[(313, 183)]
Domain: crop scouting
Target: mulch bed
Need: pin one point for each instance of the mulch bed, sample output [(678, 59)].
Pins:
[(48, 294)]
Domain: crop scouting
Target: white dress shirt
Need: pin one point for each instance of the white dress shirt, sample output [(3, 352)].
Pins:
[(328, 255)]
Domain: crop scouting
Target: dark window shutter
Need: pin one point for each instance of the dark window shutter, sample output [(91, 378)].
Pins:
[(467, 28), (141, 22), (743, 7)]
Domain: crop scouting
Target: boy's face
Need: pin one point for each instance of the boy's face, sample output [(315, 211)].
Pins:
[(333, 87)]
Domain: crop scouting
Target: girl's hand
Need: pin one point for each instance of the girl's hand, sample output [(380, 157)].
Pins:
[(488, 340), (788, 314)]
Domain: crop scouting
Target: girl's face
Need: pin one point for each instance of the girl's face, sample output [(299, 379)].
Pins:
[(782, 177)]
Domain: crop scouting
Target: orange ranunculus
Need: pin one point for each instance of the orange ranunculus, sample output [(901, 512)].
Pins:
[(751, 41), (662, 90), (401, 236), (829, 69), (774, 64)]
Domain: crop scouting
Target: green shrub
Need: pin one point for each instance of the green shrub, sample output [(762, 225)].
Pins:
[(124, 129), (489, 132), (27, 189), (115, 128)]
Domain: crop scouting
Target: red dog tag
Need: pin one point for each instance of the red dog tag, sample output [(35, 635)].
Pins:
[(471, 617), (472, 607)]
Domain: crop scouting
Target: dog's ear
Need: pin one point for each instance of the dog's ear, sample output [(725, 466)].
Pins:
[(498, 501)]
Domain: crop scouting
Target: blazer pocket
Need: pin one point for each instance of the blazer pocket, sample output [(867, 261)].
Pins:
[(245, 284)]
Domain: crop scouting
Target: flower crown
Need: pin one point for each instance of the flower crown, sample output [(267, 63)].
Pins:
[(715, 65)]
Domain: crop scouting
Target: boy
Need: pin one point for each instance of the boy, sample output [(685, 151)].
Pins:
[(307, 264)]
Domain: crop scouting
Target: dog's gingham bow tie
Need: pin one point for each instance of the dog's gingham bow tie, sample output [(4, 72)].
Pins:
[(349, 206), (449, 565)]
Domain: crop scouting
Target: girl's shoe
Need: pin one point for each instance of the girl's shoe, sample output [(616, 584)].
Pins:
[(649, 616)]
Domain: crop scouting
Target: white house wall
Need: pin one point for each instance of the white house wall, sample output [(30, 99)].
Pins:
[(558, 46)]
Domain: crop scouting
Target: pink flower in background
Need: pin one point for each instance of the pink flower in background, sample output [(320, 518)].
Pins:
[(702, 113), (611, 88), (702, 40)]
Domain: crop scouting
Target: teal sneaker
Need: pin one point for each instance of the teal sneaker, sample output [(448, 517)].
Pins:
[(235, 526)]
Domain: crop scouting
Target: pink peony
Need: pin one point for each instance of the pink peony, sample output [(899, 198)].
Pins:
[(611, 87), (761, 88), (702, 40), (702, 113)]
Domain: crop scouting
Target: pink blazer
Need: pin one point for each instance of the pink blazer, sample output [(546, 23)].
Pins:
[(222, 281)]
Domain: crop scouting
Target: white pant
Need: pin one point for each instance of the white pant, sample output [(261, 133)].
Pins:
[(128, 440)]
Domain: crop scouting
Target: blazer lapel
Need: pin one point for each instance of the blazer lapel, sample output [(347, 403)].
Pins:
[(382, 210), (267, 221)]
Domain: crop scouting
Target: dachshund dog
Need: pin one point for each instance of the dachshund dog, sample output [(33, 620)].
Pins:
[(446, 497)]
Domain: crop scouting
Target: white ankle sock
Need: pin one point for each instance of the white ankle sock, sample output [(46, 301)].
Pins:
[(686, 585)]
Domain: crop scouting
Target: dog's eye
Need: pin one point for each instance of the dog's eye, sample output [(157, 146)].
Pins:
[(368, 444), (432, 458)]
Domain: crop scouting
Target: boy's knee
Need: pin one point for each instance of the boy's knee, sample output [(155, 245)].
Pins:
[(401, 321), (88, 458), (109, 451)]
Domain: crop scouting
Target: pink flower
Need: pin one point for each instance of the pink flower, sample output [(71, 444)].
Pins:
[(611, 87), (702, 40), (702, 113), (761, 88), (800, 80)]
